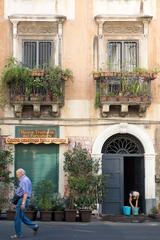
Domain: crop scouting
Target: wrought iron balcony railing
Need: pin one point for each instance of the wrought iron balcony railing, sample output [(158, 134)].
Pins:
[(125, 89)]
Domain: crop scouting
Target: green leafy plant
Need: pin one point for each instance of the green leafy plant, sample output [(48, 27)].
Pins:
[(139, 70), (97, 100), (147, 73), (154, 210), (44, 195), (15, 74), (86, 186), (135, 88), (124, 88), (55, 77), (26, 82), (58, 202), (6, 181)]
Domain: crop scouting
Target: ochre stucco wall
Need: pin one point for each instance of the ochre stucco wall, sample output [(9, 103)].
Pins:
[(5, 43), (78, 50), (5, 37)]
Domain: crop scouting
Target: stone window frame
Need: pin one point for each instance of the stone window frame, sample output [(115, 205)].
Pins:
[(23, 39), (103, 37), (122, 60), (55, 36)]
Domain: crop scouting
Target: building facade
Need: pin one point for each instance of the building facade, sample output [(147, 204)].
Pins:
[(88, 35)]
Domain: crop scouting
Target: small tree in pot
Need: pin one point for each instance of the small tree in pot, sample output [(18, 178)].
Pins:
[(86, 186), (44, 197), (58, 206), (6, 181)]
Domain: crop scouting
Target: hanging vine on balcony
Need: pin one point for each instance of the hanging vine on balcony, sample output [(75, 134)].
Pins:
[(22, 82)]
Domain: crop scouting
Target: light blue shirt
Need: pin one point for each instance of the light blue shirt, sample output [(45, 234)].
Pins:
[(25, 186)]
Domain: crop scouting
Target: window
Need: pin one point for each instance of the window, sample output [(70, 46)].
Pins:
[(37, 53), (122, 55)]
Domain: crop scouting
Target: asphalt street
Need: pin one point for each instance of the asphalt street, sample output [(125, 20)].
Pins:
[(86, 231)]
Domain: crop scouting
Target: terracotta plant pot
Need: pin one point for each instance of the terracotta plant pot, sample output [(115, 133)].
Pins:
[(46, 215), (37, 73), (58, 215), (31, 215), (10, 214), (85, 215), (70, 215)]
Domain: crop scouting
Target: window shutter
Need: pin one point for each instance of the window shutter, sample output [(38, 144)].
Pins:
[(122, 55), (29, 54), (130, 55), (44, 53), (115, 56)]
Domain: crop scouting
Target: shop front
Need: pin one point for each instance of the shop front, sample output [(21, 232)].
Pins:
[(37, 151)]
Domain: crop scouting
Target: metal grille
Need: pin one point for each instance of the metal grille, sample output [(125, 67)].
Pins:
[(122, 55), (123, 144), (37, 53)]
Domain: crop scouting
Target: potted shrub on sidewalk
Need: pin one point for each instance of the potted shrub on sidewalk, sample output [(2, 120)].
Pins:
[(6, 181), (43, 197), (58, 207), (86, 186), (31, 211), (70, 208)]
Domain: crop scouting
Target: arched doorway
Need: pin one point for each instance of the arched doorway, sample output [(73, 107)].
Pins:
[(123, 165), (149, 155)]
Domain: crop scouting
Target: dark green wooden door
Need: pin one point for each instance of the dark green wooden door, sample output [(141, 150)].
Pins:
[(39, 161), (112, 168)]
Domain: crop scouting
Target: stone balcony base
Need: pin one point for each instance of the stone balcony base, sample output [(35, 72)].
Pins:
[(125, 108), (52, 109)]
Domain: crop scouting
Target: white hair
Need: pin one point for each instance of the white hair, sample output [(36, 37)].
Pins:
[(21, 170)]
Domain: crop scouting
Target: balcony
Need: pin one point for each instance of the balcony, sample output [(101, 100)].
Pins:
[(36, 93), (123, 93), (39, 103)]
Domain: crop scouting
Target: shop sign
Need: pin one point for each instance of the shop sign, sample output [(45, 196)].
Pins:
[(10, 140), (37, 133)]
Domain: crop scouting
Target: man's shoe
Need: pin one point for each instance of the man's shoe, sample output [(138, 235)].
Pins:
[(14, 236), (35, 229)]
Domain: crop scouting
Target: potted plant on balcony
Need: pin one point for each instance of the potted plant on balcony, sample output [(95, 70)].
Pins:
[(55, 78), (43, 198), (112, 96), (86, 186), (23, 81), (37, 72), (15, 76), (124, 90), (135, 90), (147, 73)]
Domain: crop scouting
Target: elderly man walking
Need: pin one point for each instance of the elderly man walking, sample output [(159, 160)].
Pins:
[(23, 191)]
